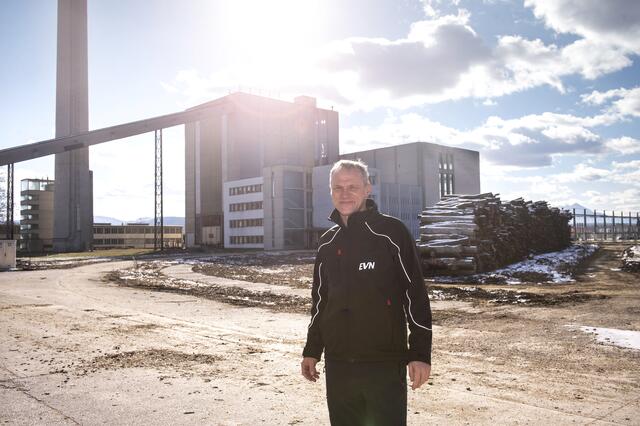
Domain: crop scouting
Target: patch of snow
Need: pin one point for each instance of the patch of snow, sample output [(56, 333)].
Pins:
[(281, 270), (555, 266), (550, 263), (613, 336), (632, 254)]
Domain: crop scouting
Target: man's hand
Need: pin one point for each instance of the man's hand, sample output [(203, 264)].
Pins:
[(418, 373), (309, 369)]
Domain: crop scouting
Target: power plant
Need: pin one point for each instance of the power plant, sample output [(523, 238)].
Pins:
[(256, 168)]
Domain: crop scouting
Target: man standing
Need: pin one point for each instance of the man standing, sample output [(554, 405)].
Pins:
[(367, 285)]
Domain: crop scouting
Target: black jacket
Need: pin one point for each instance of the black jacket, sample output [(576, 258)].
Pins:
[(367, 284)]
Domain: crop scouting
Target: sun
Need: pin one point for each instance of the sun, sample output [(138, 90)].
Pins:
[(269, 38)]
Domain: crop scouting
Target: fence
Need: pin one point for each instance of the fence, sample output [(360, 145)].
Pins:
[(605, 227)]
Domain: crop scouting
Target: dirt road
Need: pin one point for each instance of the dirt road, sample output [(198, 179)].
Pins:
[(75, 349)]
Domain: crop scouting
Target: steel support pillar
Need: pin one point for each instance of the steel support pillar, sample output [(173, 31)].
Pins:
[(9, 221), (158, 222)]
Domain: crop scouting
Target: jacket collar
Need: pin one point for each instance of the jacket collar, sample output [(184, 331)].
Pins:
[(356, 218)]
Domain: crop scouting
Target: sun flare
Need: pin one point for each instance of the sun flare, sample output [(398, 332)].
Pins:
[(270, 38)]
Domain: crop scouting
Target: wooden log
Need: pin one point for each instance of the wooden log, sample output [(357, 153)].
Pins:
[(466, 263), (451, 224), (444, 229), (445, 239), (448, 250), (442, 218)]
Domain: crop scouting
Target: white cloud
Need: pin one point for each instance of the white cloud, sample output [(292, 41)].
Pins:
[(528, 141), (441, 58), (624, 145), (593, 58), (631, 165), (620, 102), (431, 60), (614, 22), (582, 173), (626, 200)]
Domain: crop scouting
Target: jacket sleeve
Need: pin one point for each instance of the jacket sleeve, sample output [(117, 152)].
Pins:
[(315, 345), (416, 301)]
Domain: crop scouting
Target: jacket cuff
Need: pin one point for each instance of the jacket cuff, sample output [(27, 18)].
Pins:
[(308, 352), (420, 356)]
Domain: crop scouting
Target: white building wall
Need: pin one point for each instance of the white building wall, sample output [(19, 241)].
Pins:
[(247, 214)]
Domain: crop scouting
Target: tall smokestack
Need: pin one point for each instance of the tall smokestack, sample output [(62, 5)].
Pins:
[(73, 198)]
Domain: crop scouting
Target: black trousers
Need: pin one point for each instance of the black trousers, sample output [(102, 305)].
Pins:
[(367, 394)]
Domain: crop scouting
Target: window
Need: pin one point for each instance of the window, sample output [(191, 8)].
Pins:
[(446, 174), (247, 189), (240, 207), (245, 223), (246, 239)]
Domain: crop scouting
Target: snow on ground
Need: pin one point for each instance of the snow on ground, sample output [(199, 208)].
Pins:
[(631, 259), (555, 267), (613, 336), (558, 265)]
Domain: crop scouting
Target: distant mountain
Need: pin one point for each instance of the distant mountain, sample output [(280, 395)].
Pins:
[(579, 208), (168, 220), (107, 219)]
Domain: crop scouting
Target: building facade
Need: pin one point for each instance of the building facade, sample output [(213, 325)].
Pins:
[(133, 235), (254, 140), (416, 175), (244, 213), (36, 215), (257, 173)]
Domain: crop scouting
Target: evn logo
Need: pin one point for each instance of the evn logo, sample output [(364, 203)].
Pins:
[(367, 265)]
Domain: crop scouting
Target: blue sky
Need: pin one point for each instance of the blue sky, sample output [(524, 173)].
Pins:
[(547, 90)]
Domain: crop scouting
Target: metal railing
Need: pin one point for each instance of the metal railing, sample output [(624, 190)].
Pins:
[(603, 226)]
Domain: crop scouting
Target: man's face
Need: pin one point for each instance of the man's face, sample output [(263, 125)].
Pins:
[(349, 191)]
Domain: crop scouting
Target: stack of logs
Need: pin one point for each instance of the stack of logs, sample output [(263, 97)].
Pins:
[(466, 234)]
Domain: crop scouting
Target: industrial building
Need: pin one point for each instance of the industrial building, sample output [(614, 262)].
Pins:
[(134, 235), (256, 168), (257, 174), (36, 215), (248, 171), (416, 175), (37, 230)]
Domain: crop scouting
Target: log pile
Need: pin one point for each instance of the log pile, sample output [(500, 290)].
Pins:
[(466, 234)]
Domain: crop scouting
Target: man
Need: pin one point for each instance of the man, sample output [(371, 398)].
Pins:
[(367, 285)]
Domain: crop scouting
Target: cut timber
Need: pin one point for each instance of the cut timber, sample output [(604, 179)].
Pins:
[(482, 230)]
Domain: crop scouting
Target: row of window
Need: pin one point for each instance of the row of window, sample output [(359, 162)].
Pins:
[(240, 207), (446, 161), (134, 230), (135, 241), (247, 189), (446, 184), (246, 239), (109, 241), (245, 223), (36, 185)]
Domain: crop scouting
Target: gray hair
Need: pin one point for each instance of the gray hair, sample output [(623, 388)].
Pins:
[(357, 165)]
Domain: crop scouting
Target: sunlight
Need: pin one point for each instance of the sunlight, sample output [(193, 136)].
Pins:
[(269, 38)]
